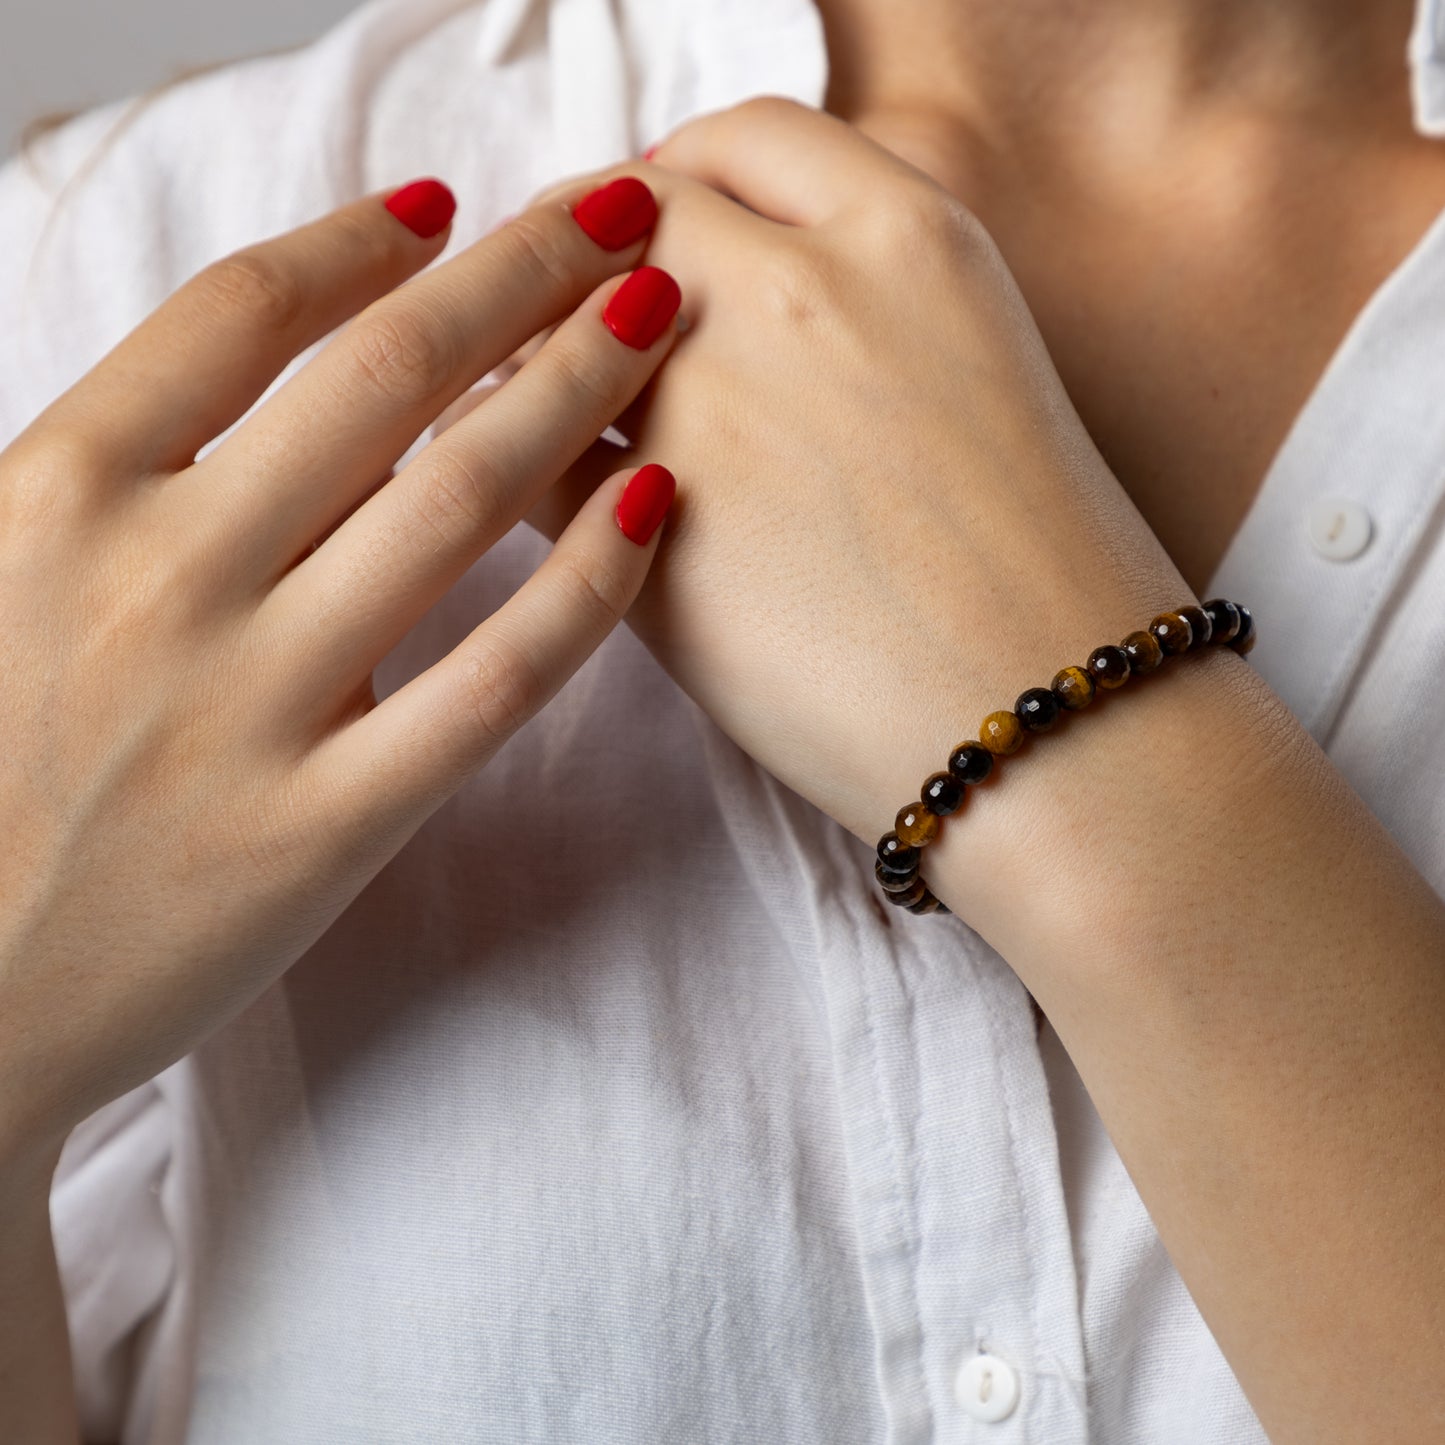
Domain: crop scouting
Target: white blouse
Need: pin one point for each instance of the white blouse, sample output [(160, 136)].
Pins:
[(666, 1133)]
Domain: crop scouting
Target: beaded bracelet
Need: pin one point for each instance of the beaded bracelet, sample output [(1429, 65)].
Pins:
[(1186, 629)]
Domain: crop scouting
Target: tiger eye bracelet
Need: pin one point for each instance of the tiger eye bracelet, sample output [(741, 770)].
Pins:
[(1186, 629)]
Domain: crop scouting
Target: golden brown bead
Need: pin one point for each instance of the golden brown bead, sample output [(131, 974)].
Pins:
[(894, 882), (1108, 666), (927, 904), (1172, 633), (1143, 651), (1001, 733), (1073, 687), (911, 894), (916, 826), (1200, 626)]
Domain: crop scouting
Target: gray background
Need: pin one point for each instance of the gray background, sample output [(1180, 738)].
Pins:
[(73, 54)]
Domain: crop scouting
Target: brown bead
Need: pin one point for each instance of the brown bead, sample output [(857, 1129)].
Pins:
[(1200, 626), (911, 894), (1225, 617), (894, 882), (916, 826), (1172, 633), (970, 762), (1143, 651), (1108, 666), (896, 856), (927, 904), (941, 793), (1001, 733), (1243, 642), (1073, 687), (1037, 709)]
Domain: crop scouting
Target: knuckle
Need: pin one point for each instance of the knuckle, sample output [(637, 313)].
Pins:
[(594, 586), (455, 495), (924, 221), (768, 108), (539, 251), (581, 376), (503, 689), (795, 285), (254, 286), (403, 355)]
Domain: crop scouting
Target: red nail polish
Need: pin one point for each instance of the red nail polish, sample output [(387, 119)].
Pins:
[(617, 214), (639, 310), (644, 502), (425, 206)]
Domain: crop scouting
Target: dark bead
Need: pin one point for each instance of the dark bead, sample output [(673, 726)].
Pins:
[(941, 793), (1224, 616), (943, 907), (927, 904), (916, 825), (1108, 666), (970, 762), (1001, 733), (1143, 651), (1037, 709), (893, 882), (911, 894), (895, 855), (1073, 687), (1172, 633), (1200, 627), (1243, 642)]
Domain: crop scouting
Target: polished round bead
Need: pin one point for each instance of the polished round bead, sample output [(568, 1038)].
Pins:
[(911, 894), (1001, 733), (1224, 616), (1172, 633), (1037, 709), (927, 904), (1143, 651), (1108, 666), (1200, 627), (1243, 642), (896, 856), (893, 882), (1073, 687), (970, 762), (916, 826), (941, 793)]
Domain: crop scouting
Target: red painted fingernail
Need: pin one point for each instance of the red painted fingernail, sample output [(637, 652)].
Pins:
[(639, 310), (617, 214), (425, 206), (644, 502)]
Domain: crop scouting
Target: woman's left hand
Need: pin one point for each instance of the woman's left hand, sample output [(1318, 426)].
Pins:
[(891, 519)]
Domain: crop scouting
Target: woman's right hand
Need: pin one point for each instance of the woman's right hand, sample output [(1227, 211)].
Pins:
[(197, 777)]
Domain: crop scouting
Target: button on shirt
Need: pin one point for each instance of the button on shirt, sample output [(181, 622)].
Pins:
[(673, 1137)]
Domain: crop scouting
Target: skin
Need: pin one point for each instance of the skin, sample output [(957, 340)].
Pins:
[(830, 338)]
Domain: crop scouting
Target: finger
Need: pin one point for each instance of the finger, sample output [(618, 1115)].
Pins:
[(344, 607), (199, 362), (389, 769), (786, 161), (298, 462)]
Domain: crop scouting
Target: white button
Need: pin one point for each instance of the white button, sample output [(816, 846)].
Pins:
[(1339, 528), (987, 1387)]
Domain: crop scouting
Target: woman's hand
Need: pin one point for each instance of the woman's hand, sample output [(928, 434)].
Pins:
[(196, 776), (896, 520)]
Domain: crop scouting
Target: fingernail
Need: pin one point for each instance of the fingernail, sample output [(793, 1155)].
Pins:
[(644, 502), (639, 310), (424, 206), (617, 214)]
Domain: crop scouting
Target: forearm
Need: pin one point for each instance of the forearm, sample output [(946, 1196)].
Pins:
[(36, 1390), (1250, 978)]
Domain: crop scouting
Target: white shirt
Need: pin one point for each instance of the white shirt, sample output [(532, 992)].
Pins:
[(669, 1134)]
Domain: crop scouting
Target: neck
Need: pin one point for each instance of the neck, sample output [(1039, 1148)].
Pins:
[(1108, 72)]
